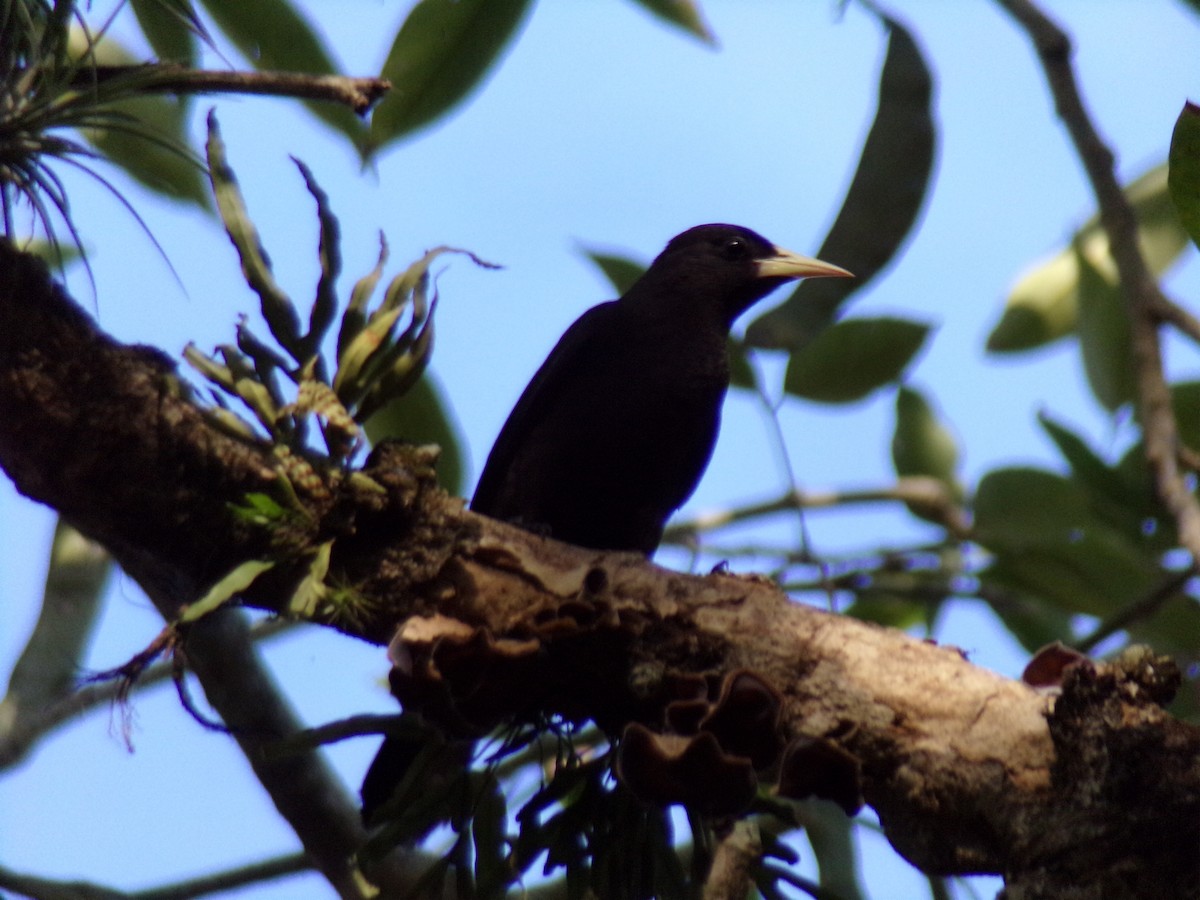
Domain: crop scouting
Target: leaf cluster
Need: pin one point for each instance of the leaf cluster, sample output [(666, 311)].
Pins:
[(376, 361)]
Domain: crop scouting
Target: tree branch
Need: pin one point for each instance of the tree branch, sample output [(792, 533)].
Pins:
[(41, 331), (360, 94), (929, 493), (1143, 299), (968, 771), (737, 854), (1183, 321), (220, 882)]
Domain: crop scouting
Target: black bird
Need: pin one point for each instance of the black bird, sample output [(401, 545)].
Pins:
[(614, 431)]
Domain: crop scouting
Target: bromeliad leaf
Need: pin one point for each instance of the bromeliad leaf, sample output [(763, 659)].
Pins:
[(378, 361), (342, 433), (373, 365), (312, 589), (325, 303), (277, 307), (355, 316)]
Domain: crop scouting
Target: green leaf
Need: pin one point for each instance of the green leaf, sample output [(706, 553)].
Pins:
[(1104, 337), (889, 608), (423, 416), (259, 509), (153, 151), (55, 255), (922, 445), (1041, 308), (854, 357), (272, 34), (1185, 403), (442, 52), (1032, 621), (228, 587), (1184, 164), (1043, 305), (1087, 468), (881, 206), (1111, 495), (1139, 482), (1173, 628), (1096, 574), (741, 372), (145, 136), (621, 271), (1026, 508), (1049, 543), (684, 14), (312, 588), (170, 27), (1134, 471)]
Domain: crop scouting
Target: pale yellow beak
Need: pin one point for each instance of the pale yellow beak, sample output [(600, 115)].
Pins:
[(786, 264)]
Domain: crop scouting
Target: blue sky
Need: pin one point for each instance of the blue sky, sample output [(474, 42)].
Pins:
[(603, 128)]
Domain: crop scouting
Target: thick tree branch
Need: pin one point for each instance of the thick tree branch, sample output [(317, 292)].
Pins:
[(41, 379), (969, 772), (1143, 299)]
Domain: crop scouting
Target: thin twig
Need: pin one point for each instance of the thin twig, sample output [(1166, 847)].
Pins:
[(363, 725), (1138, 611), (1189, 458), (220, 882), (1143, 299), (930, 493), (775, 428), (1174, 314), (360, 94)]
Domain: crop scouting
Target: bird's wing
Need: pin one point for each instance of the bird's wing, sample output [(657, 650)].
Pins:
[(581, 342)]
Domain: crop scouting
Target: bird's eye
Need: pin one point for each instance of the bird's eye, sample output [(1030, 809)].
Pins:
[(735, 248)]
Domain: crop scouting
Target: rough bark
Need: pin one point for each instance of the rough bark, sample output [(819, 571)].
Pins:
[(1095, 793)]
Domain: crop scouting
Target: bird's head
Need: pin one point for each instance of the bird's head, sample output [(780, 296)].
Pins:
[(726, 268)]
